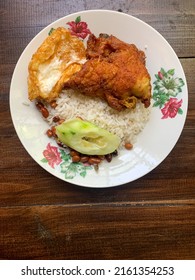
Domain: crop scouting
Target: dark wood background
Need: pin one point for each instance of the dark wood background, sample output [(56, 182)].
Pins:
[(42, 217)]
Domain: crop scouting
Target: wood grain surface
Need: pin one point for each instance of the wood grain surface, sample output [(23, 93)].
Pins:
[(42, 217)]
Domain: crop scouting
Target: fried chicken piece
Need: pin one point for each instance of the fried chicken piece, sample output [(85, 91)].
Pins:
[(115, 71), (55, 61)]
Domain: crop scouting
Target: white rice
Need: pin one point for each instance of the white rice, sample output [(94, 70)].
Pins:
[(126, 124)]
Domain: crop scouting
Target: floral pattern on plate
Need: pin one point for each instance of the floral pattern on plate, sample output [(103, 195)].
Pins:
[(55, 156), (166, 89), (79, 28)]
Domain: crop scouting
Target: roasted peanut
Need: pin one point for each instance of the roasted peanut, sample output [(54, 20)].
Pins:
[(53, 129), (94, 160), (53, 104), (39, 105), (115, 153), (128, 146), (56, 119), (84, 159), (44, 112), (101, 157), (108, 157), (49, 133), (74, 153), (76, 158)]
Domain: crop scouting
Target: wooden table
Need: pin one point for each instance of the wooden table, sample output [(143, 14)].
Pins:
[(42, 217)]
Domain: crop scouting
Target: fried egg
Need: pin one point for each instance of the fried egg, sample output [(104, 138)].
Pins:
[(55, 61)]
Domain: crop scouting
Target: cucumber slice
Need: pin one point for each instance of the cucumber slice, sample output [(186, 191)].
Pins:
[(87, 138)]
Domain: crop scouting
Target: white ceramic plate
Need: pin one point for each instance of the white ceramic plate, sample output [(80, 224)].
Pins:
[(168, 114)]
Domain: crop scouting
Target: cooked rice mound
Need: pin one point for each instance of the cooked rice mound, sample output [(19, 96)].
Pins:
[(126, 124)]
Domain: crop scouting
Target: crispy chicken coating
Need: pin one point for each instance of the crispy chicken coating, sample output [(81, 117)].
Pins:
[(115, 71), (54, 62)]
